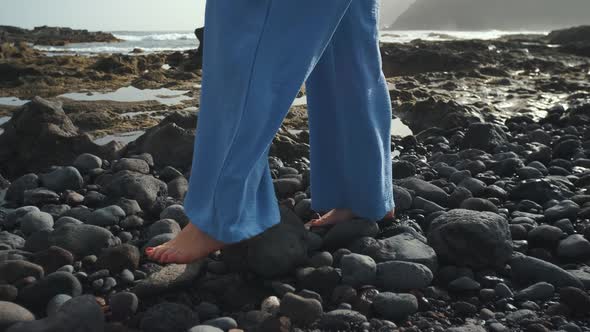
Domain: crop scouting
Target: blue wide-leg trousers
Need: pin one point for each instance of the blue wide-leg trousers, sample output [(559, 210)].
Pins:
[(257, 55)]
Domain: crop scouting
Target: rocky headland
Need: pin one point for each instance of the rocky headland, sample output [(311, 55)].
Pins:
[(488, 15), (53, 36), (492, 221)]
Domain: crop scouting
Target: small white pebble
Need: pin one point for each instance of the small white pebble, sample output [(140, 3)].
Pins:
[(271, 305)]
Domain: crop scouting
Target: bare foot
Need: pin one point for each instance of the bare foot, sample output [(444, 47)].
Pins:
[(189, 245), (338, 215)]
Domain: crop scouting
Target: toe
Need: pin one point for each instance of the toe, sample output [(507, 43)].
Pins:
[(169, 256), (157, 253)]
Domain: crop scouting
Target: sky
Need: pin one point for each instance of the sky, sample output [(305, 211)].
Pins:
[(105, 15), (118, 15)]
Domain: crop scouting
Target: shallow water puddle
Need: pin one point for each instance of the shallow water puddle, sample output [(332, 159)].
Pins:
[(398, 128), (124, 138), (12, 101), (132, 94)]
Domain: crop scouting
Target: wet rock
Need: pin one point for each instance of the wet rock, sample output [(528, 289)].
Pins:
[(538, 190), (86, 162), (166, 316), (358, 270), (537, 292), (82, 240), (479, 204), (204, 328), (341, 319), (564, 209), (577, 300), (163, 226), (145, 189), (464, 284), (419, 115), (40, 127), (402, 198), (468, 328), (394, 306), (483, 136), (175, 212), (285, 187), (425, 190), (402, 247), (131, 164), (8, 293), (222, 323), (16, 190), (344, 233), (36, 221), (527, 270), (521, 316), (323, 279), (170, 277), (574, 248), (488, 243), (107, 216), (62, 179), (320, 259), (129, 206), (81, 313), (403, 276), (10, 241), (171, 142), (178, 187), (275, 252), (39, 293), (12, 313), (57, 302), (300, 310), (123, 305), (545, 236), (40, 196), (13, 270), (119, 258)]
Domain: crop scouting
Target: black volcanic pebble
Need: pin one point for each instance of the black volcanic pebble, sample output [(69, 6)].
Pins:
[(123, 305), (166, 316)]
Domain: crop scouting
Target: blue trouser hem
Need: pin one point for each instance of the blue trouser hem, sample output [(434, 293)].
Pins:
[(369, 213)]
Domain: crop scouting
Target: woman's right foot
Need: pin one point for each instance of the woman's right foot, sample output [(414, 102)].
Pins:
[(190, 245), (336, 216)]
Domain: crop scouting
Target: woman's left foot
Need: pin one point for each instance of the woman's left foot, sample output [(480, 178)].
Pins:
[(190, 245), (336, 216)]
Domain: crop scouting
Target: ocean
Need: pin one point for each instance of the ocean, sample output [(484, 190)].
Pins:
[(150, 42)]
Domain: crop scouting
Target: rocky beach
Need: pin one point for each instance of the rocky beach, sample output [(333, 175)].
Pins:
[(492, 175)]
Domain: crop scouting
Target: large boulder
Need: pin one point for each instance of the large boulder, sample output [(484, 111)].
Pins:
[(435, 112), (275, 252), (143, 188), (39, 135), (171, 142), (483, 136), (471, 238)]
